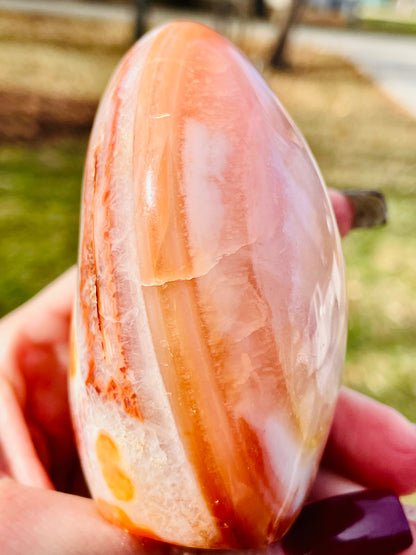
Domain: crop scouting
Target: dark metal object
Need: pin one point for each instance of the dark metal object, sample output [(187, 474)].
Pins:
[(142, 12), (370, 208)]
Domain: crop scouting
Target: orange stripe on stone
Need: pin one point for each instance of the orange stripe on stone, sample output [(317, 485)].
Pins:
[(218, 447), (116, 479), (73, 363), (94, 285), (117, 516)]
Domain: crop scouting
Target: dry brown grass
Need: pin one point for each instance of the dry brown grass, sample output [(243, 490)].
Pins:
[(53, 71)]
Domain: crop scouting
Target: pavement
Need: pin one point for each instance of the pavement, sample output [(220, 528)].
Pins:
[(92, 10), (388, 59)]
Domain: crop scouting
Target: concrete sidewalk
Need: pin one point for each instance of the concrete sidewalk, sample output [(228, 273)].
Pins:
[(93, 10), (390, 60)]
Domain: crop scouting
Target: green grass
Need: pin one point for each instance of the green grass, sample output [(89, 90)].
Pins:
[(39, 207), (396, 27), (387, 20)]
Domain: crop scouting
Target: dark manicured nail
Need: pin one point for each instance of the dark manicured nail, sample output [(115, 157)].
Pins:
[(368, 522), (370, 208)]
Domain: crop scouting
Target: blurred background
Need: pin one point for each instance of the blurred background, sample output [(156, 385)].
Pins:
[(334, 64)]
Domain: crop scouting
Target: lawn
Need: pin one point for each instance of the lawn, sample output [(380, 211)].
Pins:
[(386, 18), (360, 139), (39, 192)]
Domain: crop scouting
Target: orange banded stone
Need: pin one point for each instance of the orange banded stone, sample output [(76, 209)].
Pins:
[(109, 458), (211, 309)]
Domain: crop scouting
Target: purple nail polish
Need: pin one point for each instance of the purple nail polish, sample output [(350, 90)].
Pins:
[(368, 522)]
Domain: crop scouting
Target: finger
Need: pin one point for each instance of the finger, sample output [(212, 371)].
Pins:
[(372, 444), (328, 483), (43, 319), (44, 522), (47, 313), (18, 455), (55, 522), (45, 370), (344, 211)]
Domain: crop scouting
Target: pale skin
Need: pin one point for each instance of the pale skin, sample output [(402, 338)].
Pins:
[(370, 444)]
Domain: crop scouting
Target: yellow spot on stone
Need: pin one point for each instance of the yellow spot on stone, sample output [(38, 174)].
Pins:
[(106, 449), (117, 516), (108, 456)]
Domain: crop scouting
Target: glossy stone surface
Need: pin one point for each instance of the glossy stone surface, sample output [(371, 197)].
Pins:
[(210, 322)]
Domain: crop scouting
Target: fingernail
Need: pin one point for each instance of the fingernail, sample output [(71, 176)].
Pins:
[(368, 522), (370, 208)]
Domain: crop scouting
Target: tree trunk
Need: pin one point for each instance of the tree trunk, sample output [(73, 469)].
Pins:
[(279, 57), (140, 26), (260, 8)]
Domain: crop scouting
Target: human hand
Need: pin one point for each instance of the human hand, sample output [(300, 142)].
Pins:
[(38, 459), (41, 509)]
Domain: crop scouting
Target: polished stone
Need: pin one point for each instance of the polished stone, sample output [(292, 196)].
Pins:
[(210, 323)]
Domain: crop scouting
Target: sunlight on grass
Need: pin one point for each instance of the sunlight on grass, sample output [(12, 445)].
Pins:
[(40, 192)]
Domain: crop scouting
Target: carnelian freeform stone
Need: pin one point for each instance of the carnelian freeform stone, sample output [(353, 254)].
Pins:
[(210, 321)]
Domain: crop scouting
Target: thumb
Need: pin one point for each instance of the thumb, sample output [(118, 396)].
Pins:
[(46, 522)]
